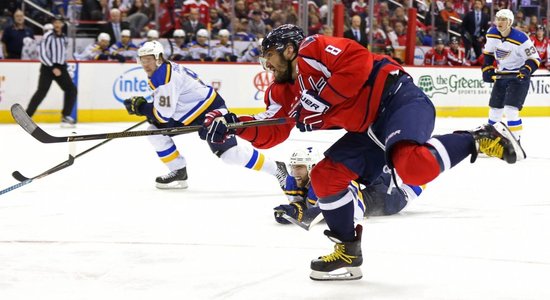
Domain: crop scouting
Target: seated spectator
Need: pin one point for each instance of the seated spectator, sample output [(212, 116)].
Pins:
[(446, 15), (397, 35), (200, 49), (202, 7), (358, 7), (178, 46), (256, 25), (125, 49), (139, 16), (455, 55), (436, 56), (192, 25), (12, 38), (115, 26), (98, 50), (326, 30), (218, 21), (315, 25), (224, 50), (398, 16), (542, 44)]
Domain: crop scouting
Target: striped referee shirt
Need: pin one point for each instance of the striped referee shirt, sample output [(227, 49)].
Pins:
[(53, 49)]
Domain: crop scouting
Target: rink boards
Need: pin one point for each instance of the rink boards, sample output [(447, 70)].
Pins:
[(456, 92)]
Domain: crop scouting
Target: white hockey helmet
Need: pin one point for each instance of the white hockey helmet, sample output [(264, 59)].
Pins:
[(48, 27), (154, 48), (203, 33), (506, 14), (103, 37), (179, 33), (153, 34), (224, 32), (305, 156), (125, 32)]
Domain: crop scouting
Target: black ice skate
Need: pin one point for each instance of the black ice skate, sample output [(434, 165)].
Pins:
[(344, 263), (174, 180), (282, 173), (68, 122), (498, 141)]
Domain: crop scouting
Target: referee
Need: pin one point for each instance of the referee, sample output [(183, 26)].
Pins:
[(53, 56)]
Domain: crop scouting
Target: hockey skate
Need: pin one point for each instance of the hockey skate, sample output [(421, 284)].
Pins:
[(68, 122), (497, 141), (282, 173), (344, 263), (174, 180)]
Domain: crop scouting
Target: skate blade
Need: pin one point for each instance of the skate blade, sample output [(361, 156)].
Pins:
[(174, 185), (505, 131), (349, 273)]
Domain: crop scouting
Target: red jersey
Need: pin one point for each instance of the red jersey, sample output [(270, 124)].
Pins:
[(346, 75), (542, 48), (434, 58), (456, 58), (204, 10)]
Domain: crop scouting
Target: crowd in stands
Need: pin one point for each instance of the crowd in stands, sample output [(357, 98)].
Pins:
[(202, 29)]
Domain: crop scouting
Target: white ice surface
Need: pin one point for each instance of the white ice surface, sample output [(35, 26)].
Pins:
[(100, 230)]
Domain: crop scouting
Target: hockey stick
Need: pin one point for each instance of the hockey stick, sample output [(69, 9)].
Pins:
[(60, 166), (33, 129), (20, 177), (302, 224), (514, 75)]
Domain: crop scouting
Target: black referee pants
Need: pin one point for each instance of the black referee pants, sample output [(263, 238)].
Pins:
[(45, 81)]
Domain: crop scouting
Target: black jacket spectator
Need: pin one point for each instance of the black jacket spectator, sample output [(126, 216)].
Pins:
[(115, 26), (13, 36), (474, 27)]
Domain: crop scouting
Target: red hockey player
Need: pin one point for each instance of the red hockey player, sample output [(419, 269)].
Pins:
[(455, 55), (540, 41), (388, 119), (436, 56)]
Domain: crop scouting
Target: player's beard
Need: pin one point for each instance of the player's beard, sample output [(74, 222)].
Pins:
[(282, 76)]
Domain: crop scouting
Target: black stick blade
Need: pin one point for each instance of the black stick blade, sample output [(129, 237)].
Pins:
[(25, 121)]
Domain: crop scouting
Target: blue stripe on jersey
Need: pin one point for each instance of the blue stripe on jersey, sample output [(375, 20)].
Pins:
[(491, 122), (167, 151), (493, 30), (514, 123), (253, 160), (161, 76)]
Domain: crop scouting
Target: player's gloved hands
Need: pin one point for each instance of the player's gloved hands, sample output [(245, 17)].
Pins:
[(488, 73), (132, 105), (214, 127), (118, 57), (309, 116), (294, 210), (524, 73)]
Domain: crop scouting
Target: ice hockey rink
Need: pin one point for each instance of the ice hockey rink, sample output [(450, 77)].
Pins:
[(101, 230)]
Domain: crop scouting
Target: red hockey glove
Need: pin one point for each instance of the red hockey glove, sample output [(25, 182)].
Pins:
[(309, 115)]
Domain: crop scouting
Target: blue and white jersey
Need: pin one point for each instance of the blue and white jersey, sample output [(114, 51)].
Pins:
[(510, 52), (199, 51), (179, 94), (223, 52), (129, 50)]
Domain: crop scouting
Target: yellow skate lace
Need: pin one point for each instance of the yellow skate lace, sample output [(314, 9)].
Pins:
[(491, 147), (339, 253)]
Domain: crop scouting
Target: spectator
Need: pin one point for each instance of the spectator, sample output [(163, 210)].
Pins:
[(12, 38), (533, 23), (455, 55), (240, 10), (436, 56), (240, 32), (542, 44), (326, 30), (474, 27), (357, 31), (398, 36), (315, 25), (399, 16), (202, 7), (224, 50), (179, 46), (200, 49), (193, 25), (218, 21), (358, 7), (446, 15), (115, 27), (256, 25), (98, 50), (94, 10), (125, 49), (139, 16)]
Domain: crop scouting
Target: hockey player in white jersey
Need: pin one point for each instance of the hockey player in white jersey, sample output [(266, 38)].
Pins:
[(515, 54), (224, 50), (180, 98)]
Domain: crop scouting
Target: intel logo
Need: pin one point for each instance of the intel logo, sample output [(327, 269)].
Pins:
[(131, 83)]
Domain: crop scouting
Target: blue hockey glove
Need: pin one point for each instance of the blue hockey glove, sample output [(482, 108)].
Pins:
[(488, 73), (309, 116), (294, 210), (524, 73), (132, 105), (214, 127)]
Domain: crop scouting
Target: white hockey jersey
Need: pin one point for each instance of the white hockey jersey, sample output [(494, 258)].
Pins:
[(179, 94), (510, 52)]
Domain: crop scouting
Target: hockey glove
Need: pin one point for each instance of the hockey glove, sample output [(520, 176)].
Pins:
[(132, 105), (488, 73), (524, 73), (309, 116), (214, 127), (294, 210)]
